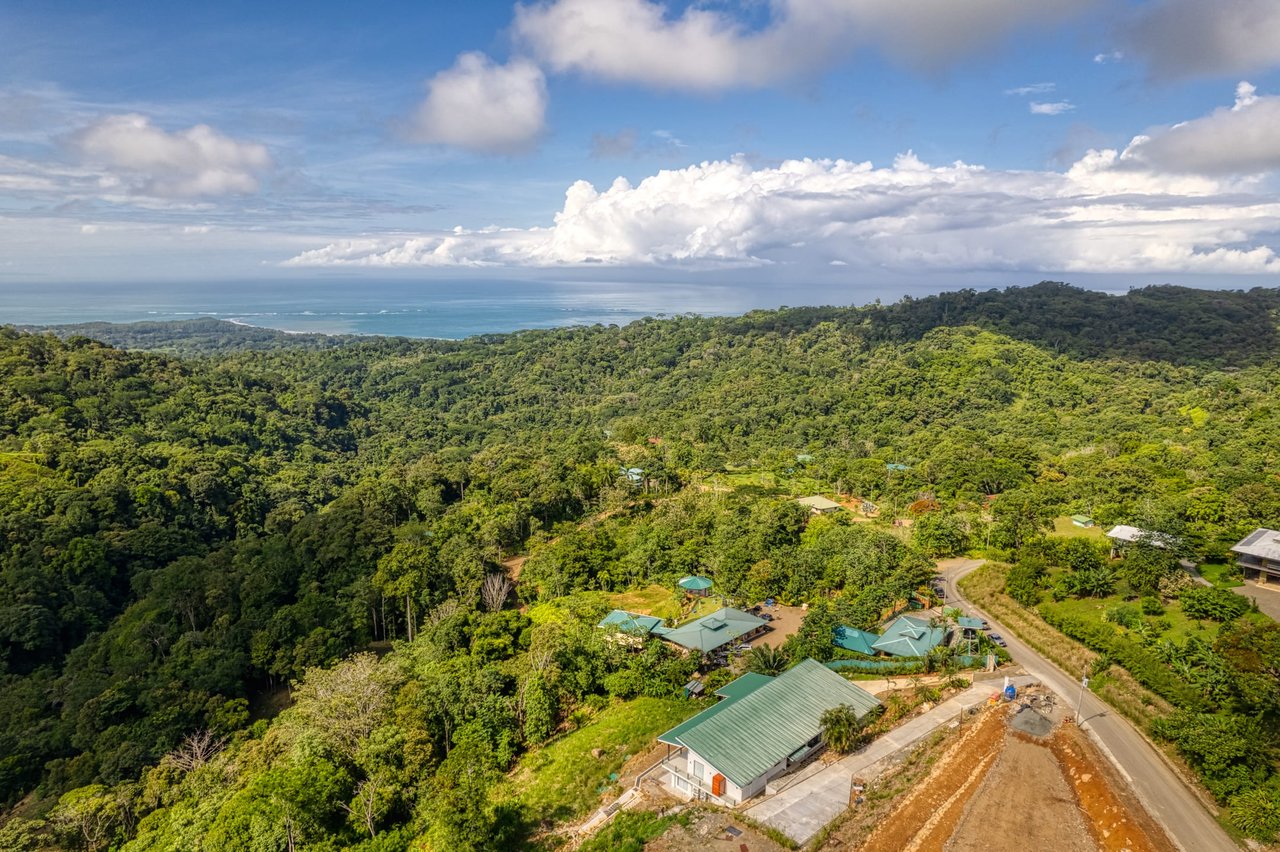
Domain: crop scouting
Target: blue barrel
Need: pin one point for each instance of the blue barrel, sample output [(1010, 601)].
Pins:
[(1010, 692)]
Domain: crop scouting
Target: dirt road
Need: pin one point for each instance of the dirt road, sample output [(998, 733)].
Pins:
[(1159, 788)]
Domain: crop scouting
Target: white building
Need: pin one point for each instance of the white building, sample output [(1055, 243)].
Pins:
[(762, 727)]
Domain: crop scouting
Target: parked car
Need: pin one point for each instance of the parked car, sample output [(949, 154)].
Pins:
[(997, 638), (742, 646), (766, 616)]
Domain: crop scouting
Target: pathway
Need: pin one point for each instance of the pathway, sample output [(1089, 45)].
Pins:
[(821, 793)]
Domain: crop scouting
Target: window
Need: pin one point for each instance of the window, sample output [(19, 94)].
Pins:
[(696, 769)]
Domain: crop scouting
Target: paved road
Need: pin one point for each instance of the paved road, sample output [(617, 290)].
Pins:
[(1159, 788)]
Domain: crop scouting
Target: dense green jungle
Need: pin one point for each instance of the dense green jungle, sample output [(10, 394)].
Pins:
[(259, 594)]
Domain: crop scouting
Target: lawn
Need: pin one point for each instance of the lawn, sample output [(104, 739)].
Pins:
[(562, 780), (798, 485), (1224, 575), (1180, 628), (654, 600), (1063, 528)]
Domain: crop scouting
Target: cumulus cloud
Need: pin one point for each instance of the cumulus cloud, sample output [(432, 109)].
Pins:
[(1098, 216), (1052, 108), (139, 158), (1182, 38), (641, 41), (1243, 139), (1032, 89), (482, 106)]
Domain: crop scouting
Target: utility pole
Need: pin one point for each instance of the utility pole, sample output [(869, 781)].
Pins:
[(1084, 684)]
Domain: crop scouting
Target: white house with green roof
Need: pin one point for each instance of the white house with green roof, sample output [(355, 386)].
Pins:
[(715, 630), (762, 727)]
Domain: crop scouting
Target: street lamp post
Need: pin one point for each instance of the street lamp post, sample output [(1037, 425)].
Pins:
[(1084, 684)]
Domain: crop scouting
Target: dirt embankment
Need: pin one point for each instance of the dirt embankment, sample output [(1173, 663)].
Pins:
[(1001, 787), (1117, 821), (927, 817)]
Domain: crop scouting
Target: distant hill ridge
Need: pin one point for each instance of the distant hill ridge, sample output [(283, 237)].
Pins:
[(202, 336)]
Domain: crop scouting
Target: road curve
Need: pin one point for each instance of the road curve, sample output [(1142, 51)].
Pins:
[(1159, 788)]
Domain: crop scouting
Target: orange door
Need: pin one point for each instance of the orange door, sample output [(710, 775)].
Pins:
[(717, 784)]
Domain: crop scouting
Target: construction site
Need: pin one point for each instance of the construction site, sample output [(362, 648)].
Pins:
[(1021, 775), (1011, 772)]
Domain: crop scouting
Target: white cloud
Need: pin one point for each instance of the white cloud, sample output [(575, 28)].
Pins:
[(1099, 216), (140, 158), (642, 41), (482, 106), (1182, 38), (1108, 57), (1032, 89), (1243, 139), (1053, 108)]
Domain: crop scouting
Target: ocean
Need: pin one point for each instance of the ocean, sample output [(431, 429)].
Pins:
[(417, 308)]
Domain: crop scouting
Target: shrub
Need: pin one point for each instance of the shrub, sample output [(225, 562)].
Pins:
[(1256, 812), (1203, 602), (1024, 580), (1125, 615), (1230, 753), (1151, 606)]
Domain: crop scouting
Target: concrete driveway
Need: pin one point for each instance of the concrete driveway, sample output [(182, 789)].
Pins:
[(1268, 597)]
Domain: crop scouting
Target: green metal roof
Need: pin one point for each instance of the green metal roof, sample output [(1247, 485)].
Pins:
[(970, 623), (743, 686), (743, 737), (853, 639), (732, 692), (630, 622), (712, 631), (695, 584), (909, 637)]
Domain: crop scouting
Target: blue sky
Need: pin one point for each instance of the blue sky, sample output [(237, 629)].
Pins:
[(765, 140)]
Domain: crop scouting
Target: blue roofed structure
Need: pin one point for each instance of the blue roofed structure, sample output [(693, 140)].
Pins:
[(853, 639), (630, 623), (908, 636)]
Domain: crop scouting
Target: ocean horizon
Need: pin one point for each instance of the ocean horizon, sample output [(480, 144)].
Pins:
[(452, 309)]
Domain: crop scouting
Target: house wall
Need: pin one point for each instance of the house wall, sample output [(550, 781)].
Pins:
[(1255, 567), (732, 792)]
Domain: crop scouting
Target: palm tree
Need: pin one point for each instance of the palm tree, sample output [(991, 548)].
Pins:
[(843, 729), (767, 661), (938, 658)]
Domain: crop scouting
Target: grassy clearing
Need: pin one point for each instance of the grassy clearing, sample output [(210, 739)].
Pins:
[(768, 481), (629, 831), (1117, 687), (1224, 575), (1181, 627), (654, 600), (1063, 528), (562, 780)]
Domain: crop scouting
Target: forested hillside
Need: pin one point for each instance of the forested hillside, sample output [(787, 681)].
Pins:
[(192, 545), (190, 337)]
